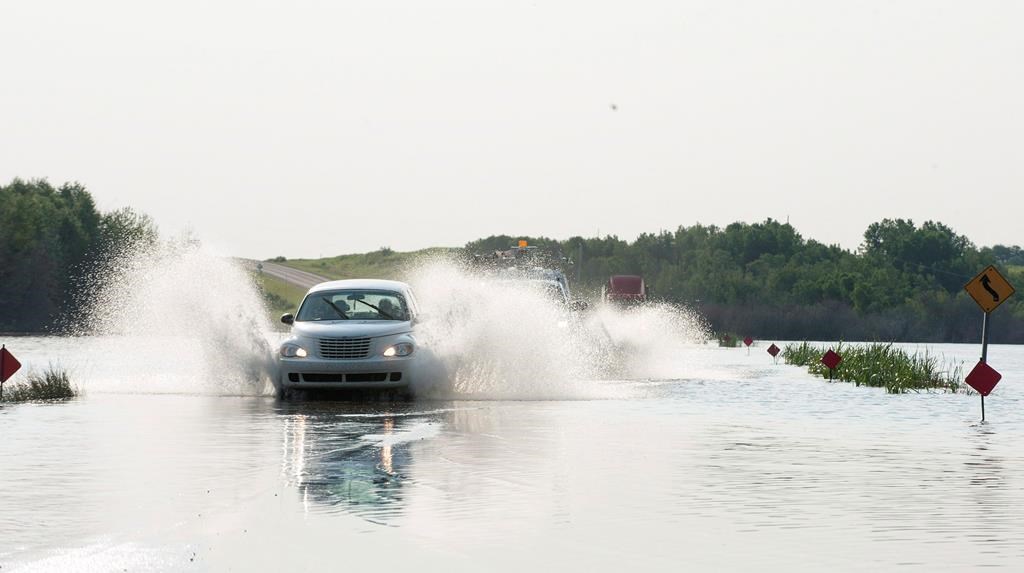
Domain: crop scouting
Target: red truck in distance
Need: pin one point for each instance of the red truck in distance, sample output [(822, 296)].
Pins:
[(624, 289)]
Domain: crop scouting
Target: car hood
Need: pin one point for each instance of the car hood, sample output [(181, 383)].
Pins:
[(350, 328)]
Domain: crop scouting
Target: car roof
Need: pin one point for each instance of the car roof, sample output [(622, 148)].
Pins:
[(368, 284)]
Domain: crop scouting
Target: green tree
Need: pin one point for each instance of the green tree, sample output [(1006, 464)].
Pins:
[(51, 240)]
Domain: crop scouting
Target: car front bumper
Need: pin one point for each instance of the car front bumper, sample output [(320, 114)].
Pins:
[(364, 373)]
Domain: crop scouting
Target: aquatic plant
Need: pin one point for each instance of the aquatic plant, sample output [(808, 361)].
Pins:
[(54, 383), (729, 339), (881, 365)]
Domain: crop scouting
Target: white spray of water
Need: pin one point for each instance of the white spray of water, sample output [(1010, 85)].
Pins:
[(508, 340), (176, 317), (650, 340)]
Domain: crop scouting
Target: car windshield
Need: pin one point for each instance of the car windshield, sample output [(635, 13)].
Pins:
[(353, 304)]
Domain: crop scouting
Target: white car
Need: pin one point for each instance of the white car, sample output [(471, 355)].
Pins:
[(351, 334)]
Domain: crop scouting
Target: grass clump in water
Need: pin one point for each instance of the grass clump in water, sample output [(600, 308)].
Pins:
[(729, 339), (54, 383), (881, 366)]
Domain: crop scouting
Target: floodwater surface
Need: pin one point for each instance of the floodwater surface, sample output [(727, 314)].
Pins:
[(735, 463)]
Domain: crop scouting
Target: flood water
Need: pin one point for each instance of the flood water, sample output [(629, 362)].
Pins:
[(734, 463)]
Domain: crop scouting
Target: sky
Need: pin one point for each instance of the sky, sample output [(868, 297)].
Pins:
[(307, 129)]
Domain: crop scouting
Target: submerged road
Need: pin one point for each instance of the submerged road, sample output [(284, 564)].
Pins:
[(294, 276), (736, 464)]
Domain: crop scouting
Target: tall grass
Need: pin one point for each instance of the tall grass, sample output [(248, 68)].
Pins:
[(882, 366), (729, 339), (54, 383)]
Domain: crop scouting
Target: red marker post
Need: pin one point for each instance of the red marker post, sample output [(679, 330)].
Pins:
[(831, 360), (983, 378), (774, 351), (8, 366), (748, 341)]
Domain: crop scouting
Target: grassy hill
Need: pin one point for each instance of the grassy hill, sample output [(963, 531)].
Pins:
[(281, 296), (382, 264)]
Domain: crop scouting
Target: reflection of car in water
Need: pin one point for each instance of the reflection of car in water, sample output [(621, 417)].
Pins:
[(351, 334), (352, 462)]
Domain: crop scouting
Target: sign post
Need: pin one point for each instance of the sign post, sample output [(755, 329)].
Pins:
[(984, 356), (748, 341), (774, 351), (831, 359), (8, 366), (989, 289)]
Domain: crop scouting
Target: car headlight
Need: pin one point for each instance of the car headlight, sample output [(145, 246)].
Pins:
[(293, 351), (400, 349)]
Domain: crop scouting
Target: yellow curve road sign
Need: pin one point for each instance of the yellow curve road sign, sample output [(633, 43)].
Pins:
[(989, 289)]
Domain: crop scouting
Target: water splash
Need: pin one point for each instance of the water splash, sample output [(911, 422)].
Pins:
[(650, 340), (176, 317), (500, 339)]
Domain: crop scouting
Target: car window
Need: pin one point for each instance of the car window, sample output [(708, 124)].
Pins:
[(353, 304)]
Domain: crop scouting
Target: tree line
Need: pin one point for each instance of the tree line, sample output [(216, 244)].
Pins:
[(904, 283), (53, 243)]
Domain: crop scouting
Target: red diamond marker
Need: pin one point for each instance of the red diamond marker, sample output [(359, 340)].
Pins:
[(748, 341), (983, 378), (774, 350), (8, 364), (831, 359)]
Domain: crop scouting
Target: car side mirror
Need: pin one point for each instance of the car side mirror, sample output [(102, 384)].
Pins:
[(288, 318)]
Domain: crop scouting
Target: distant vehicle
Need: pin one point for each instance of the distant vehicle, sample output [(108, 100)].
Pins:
[(356, 334), (624, 289), (550, 282), (534, 267)]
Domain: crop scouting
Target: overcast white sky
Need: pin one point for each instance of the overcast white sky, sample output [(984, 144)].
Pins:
[(307, 128)]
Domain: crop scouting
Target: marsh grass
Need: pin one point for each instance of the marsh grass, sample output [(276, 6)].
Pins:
[(54, 383), (880, 365), (729, 340)]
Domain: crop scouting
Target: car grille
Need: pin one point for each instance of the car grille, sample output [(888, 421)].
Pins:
[(344, 348)]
